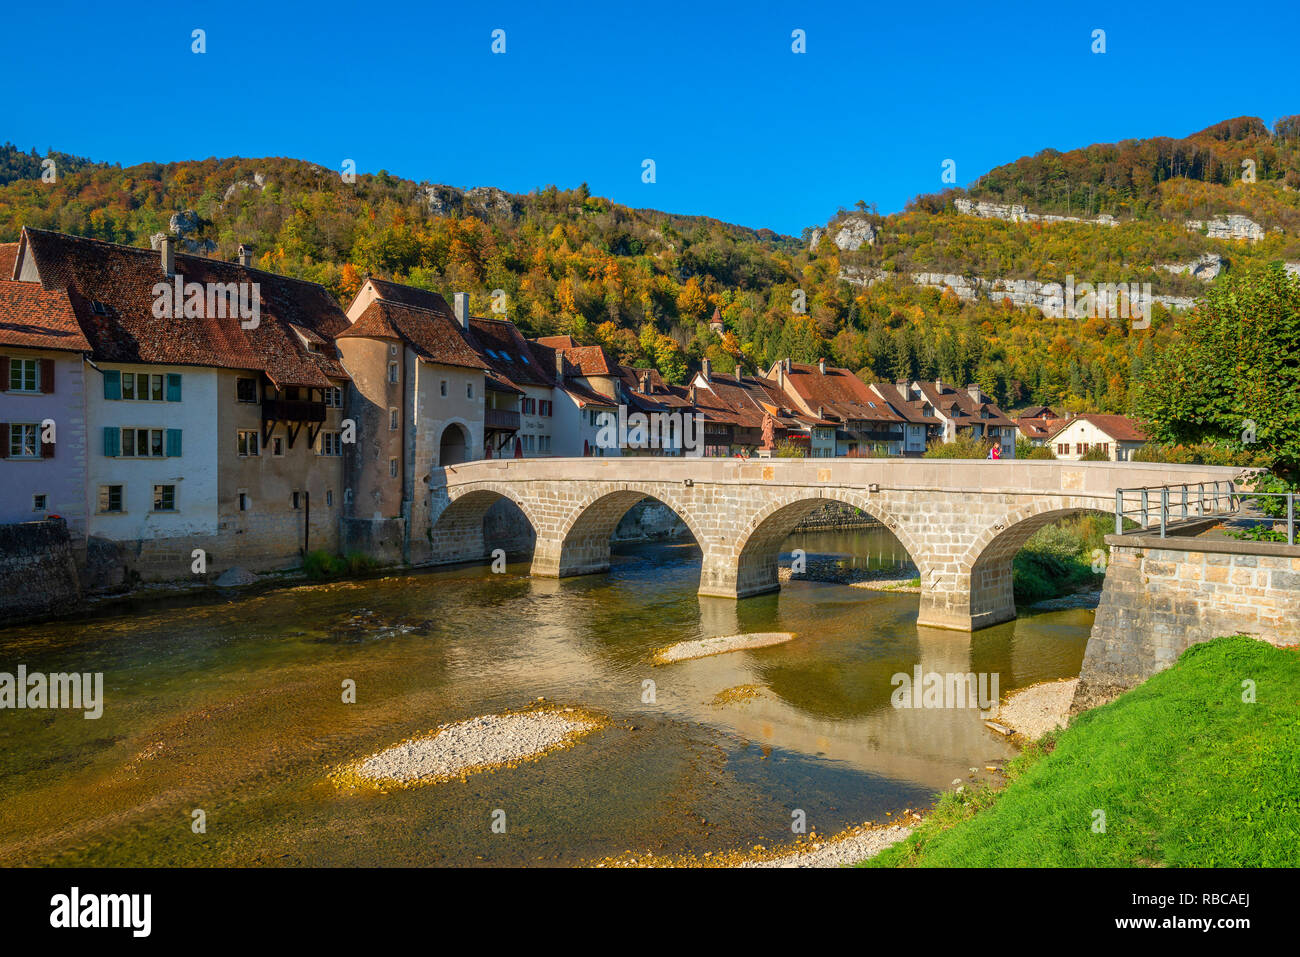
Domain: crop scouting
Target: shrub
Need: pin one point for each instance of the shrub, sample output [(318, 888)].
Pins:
[(1201, 453), (785, 449), (962, 447), (1094, 454), (320, 564), (1027, 450)]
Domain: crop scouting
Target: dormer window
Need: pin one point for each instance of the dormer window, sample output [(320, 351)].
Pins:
[(98, 308)]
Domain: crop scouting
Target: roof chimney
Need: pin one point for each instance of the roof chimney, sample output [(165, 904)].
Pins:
[(973, 391), (786, 364), (461, 300), (740, 371), (559, 362), (168, 247), (690, 394), (706, 369), (245, 255), (780, 375), (645, 382), (938, 386), (821, 366)]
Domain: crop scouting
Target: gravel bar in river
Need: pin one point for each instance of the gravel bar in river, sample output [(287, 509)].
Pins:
[(703, 647), (462, 747)]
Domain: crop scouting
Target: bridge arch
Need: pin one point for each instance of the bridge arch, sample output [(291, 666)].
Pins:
[(987, 561), (580, 542), (456, 528), (753, 566)]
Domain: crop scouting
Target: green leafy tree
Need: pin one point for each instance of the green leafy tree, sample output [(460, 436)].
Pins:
[(1234, 376)]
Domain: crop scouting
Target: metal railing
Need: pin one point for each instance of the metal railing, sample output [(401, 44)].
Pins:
[(1159, 505)]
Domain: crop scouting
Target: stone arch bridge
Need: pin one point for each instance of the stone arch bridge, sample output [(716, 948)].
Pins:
[(961, 521)]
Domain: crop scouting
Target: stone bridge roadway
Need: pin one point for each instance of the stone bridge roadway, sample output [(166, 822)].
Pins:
[(961, 521)]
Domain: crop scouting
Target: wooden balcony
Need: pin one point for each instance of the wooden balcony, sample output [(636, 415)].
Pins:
[(285, 410), (501, 420)]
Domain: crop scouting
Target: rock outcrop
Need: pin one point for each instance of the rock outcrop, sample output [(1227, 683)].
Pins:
[(853, 233), (1205, 268), (181, 225), (1233, 226), (1048, 297), (1016, 213)]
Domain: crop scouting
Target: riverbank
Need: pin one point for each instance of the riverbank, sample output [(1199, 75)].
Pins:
[(1193, 768), (848, 847)]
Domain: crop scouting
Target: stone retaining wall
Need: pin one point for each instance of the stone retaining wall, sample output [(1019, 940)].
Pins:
[(38, 573), (1163, 595)]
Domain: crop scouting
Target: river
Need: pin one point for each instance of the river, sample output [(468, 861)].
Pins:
[(235, 708)]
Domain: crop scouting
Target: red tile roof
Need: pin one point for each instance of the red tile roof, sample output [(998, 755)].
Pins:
[(34, 318), (589, 360), (1038, 428), (411, 296), (505, 350), (1119, 427), (123, 328), (8, 259), (913, 410), (943, 397), (839, 393), (433, 334)]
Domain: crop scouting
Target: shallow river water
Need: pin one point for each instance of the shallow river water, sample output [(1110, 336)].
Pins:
[(235, 708)]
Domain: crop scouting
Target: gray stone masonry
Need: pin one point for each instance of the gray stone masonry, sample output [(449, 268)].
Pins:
[(960, 520)]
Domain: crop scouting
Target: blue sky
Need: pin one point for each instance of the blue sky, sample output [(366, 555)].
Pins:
[(740, 127)]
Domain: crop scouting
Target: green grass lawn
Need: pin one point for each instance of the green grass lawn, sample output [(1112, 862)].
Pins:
[(1186, 772)]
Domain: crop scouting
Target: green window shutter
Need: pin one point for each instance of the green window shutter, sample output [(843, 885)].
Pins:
[(173, 443), (112, 385), (112, 441), (173, 387)]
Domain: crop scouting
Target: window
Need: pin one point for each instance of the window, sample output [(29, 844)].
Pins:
[(38, 503), (392, 350), (243, 500), (347, 496), (329, 498), (392, 420), (544, 407), (529, 406), (110, 498), (442, 388), (248, 443), (246, 390), (1080, 448), (143, 443), (392, 372), (24, 441), (277, 445), (529, 443), (331, 443), (544, 443), (469, 390), (295, 500), (333, 398), (164, 498), (24, 375), (142, 386), (392, 468)]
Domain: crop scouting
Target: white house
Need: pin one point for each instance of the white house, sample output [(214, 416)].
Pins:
[(1117, 436)]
